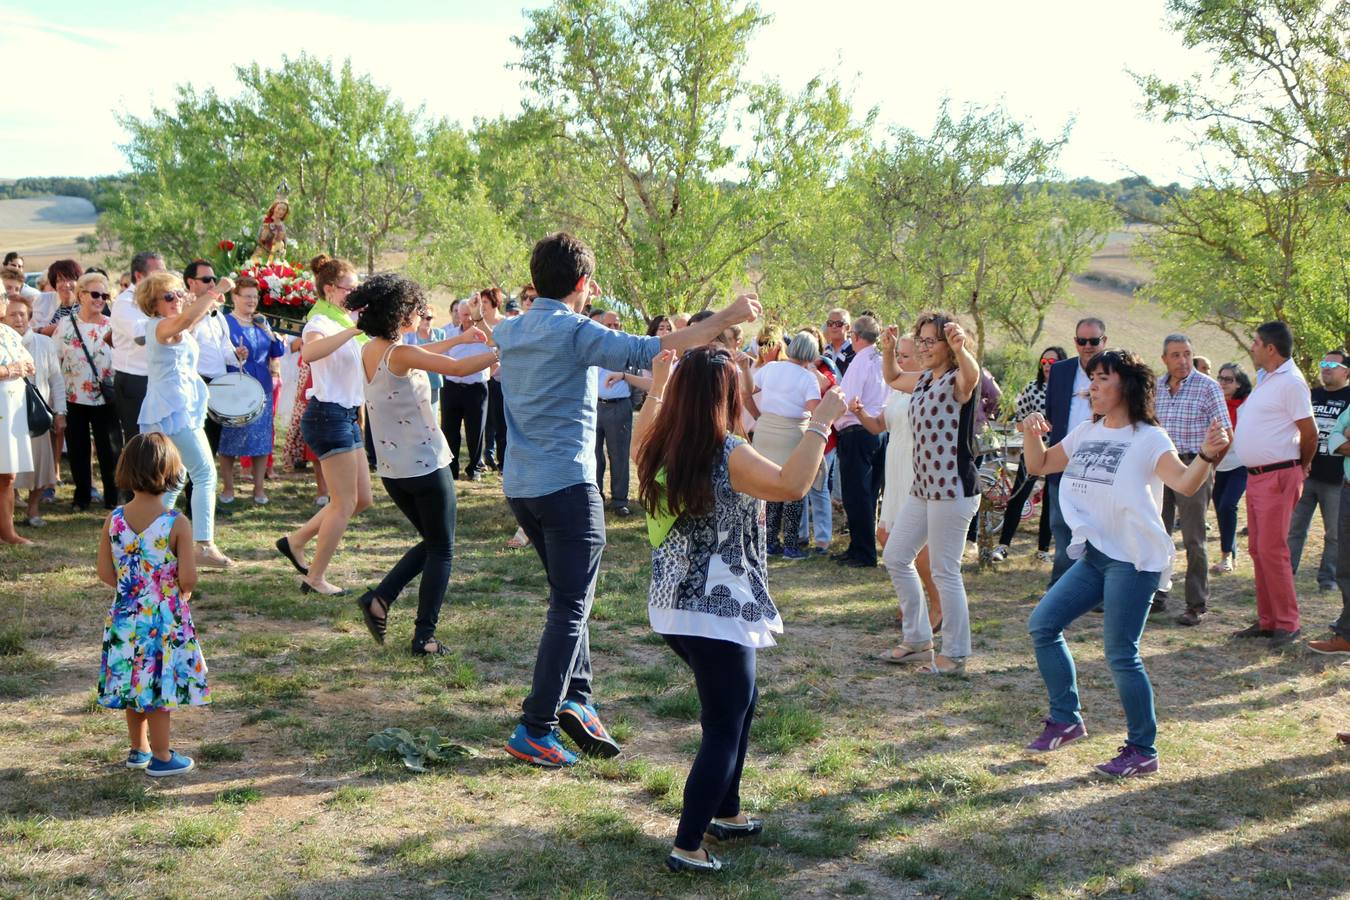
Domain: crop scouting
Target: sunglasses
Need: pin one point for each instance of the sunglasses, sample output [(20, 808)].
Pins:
[(835, 323), (426, 318), (1328, 364), (170, 296), (1088, 342), (1049, 359), (207, 279), (99, 295)]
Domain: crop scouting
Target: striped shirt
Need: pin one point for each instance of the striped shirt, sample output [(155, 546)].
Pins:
[(550, 393), (1187, 413)]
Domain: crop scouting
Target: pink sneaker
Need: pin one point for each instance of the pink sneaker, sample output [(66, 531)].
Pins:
[(1056, 735), (1129, 763)]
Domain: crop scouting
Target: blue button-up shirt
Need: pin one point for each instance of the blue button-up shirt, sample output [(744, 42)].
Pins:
[(620, 390), (550, 393)]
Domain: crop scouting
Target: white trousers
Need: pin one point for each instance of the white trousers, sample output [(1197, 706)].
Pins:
[(941, 524)]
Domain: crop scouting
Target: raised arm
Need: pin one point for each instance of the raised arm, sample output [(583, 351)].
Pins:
[(187, 318), (412, 356), (752, 474), (745, 308), (473, 336), (316, 348), (1186, 479), (967, 366), (1038, 459), (660, 375)]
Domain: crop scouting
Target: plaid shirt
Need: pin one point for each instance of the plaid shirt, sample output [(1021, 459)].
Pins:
[(1187, 413)]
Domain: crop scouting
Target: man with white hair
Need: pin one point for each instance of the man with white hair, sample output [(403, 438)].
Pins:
[(838, 348), (464, 401), (860, 480)]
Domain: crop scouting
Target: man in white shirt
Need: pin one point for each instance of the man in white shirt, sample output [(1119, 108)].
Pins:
[(128, 343), (216, 352), (1276, 439), (464, 402), (857, 447), (1067, 406), (613, 426)]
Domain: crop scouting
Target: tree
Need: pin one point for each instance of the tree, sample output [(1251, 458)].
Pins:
[(1265, 235), (357, 162), (645, 98)]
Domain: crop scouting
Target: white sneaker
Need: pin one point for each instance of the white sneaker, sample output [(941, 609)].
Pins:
[(37, 521), (225, 499), (999, 554), (321, 501), (262, 501)]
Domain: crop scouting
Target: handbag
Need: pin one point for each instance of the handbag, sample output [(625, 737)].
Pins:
[(105, 385), (40, 415)]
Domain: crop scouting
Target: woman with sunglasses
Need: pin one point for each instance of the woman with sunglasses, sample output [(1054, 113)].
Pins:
[(704, 490), (1032, 399), (175, 397), (1113, 471), (1230, 477), (331, 424), (86, 364)]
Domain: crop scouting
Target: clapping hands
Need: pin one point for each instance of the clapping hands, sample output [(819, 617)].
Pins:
[(1217, 440)]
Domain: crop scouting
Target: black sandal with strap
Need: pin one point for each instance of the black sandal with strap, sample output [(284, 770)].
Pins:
[(376, 625), (419, 648)]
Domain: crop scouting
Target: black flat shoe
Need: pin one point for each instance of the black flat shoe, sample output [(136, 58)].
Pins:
[(307, 588), (724, 831), (376, 625), (682, 864), (283, 546), (420, 648)]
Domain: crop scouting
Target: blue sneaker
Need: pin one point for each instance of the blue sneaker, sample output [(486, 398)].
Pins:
[(176, 764), (138, 759), (545, 751), (583, 726), (773, 549), (794, 553)]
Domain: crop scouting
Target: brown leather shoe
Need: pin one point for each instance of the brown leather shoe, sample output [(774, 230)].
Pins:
[(1336, 646), (1191, 616)]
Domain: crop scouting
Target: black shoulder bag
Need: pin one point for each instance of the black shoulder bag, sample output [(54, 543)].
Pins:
[(105, 386), (40, 415)]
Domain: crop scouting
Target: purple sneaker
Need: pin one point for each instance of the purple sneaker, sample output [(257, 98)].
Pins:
[(1056, 735), (1129, 763)]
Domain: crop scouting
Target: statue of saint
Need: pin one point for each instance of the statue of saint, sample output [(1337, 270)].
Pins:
[(272, 237)]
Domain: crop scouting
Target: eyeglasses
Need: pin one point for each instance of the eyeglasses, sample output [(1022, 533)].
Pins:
[(99, 295), (343, 287), (1088, 342), (927, 343), (1328, 364), (1227, 379), (205, 279), (617, 326), (835, 323)]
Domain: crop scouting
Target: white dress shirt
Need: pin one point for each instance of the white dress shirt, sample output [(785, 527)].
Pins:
[(863, 380), (128, 324), (463, 351), (1080, 407), (217, 352)]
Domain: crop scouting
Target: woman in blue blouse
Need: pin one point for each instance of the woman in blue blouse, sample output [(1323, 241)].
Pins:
[(255, 346)]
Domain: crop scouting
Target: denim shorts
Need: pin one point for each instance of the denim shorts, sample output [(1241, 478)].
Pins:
[(330, 428)]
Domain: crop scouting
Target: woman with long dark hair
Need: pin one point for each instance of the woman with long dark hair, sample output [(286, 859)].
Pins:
[(1032, 399), (411, 454), (704, 490), (1114, 468), (1230, 478)]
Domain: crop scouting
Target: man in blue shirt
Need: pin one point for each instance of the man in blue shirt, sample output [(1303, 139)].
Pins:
[(550, 393)]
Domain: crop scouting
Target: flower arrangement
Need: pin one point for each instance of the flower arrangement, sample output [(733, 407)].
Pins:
[(285, 289)]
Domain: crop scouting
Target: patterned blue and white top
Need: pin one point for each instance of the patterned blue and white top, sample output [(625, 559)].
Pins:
[(709, 577)]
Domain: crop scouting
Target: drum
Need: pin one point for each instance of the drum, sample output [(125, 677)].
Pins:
[(235, 399)]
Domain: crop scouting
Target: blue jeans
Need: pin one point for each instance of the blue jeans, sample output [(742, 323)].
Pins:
[(1228, 490), (567, 530), (1126, 595), (818, 506), (1063, 534), (200, 464)]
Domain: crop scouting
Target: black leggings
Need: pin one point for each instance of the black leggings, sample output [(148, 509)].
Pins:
[(100, 422), (1012, 517), (429, 503), (787, 518), (725, 676)]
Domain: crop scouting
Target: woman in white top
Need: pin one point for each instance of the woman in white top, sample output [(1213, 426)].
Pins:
[(1114, 468), (702, 488), (899, 351), (16, 445), (51, 384), (411, 453), (331, 424), (786, 393)]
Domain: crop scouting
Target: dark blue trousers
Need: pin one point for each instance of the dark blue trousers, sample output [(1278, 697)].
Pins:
[(859, 480)]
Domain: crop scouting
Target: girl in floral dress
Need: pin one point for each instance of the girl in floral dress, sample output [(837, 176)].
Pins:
[(152, 662)]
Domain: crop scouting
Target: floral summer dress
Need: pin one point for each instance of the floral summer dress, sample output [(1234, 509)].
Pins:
[(151, 658)]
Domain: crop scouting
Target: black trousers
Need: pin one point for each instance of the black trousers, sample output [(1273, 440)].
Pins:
[(429, 503), (464, 406), (128, 395), (857, 451), (567, 530), (724, 674), (1023, 488), (98, 423), (494, 437)]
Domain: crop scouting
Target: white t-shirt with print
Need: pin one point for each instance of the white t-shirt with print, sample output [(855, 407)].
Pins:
[(785, 388), (1110, 495)]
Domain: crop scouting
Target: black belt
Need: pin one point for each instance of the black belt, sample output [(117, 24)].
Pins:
[(1273, 467), (615, 399), (850, 428)]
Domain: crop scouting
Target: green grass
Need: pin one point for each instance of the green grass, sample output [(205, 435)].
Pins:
[(872, 781)]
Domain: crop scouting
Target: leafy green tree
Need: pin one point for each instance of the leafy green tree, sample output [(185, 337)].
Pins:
[(1266, 235)]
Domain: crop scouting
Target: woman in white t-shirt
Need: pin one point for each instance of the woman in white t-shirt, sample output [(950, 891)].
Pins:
[(786, 392), (331, 425), (1114, 468)]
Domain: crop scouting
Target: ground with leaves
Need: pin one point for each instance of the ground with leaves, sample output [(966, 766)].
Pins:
[(872, 781)]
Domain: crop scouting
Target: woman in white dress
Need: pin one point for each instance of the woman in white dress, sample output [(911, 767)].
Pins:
[(16, 448), (899, 459), (51, 384)]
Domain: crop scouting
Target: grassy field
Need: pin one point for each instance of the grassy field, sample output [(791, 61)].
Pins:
[(872, 781)]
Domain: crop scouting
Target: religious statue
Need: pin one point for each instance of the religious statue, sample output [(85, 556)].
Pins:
[(272, 237)]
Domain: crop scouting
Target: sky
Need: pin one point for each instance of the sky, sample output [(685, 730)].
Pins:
[(74, 66)]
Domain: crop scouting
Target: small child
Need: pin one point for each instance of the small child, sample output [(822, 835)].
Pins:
[(152, 662)]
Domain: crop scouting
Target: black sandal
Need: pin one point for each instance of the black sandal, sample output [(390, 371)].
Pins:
[(419, 648), (376, 625)]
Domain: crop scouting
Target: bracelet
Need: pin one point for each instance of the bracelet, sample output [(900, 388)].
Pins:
[(1212, 462), (651, 397), (817, 429)]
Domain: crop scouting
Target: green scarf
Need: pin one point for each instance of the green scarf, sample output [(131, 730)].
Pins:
[(659, 525), (337, 314)]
